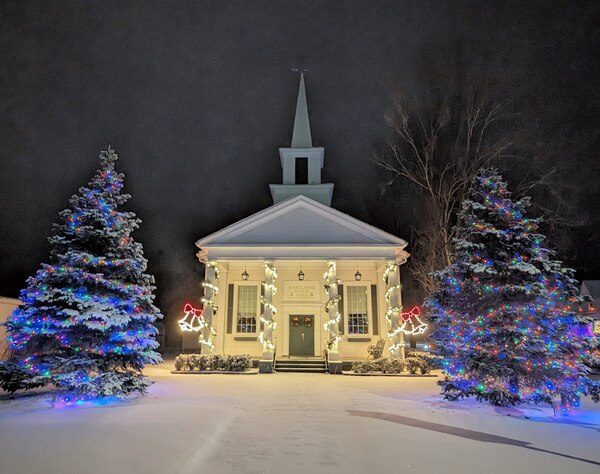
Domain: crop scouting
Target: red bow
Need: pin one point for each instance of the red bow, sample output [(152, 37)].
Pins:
[(188, 308), (413, 312)]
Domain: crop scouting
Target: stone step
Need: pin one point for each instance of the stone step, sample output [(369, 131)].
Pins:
[(300, 361), (301, 369), (300, 365)]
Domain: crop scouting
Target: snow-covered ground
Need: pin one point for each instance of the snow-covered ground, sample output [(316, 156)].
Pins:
[(293, 423)]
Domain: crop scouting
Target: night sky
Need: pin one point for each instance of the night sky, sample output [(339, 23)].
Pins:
[(197, 96)]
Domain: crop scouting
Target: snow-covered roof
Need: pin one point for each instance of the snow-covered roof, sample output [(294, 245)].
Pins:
[(9, 301), (591, 288), (307, 226)]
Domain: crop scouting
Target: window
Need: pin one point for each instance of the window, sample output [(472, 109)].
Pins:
[(358, 313), (247, 308), (301, 170)]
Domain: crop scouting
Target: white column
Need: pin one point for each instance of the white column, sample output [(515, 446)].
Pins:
[(391, 277), (332, 308), (267, 318), (218, 323), (211, 290)]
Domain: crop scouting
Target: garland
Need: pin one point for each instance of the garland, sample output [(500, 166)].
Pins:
[(271, 324), (331, 343), (207, 301), (410, 323), (392, 309)]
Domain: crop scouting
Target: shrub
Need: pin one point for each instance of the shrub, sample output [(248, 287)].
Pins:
[(181, 362), (216, 362), (237, 363), (229, 363), (419, 363), (377, 365), (393, 366), (194, 362), (362, 367), (413, 364), (13, 377)]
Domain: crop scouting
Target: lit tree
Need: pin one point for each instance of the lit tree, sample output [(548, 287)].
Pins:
[(87, 320), (502, 310)]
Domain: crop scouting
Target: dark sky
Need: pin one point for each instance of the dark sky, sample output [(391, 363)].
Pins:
[(197, 96)]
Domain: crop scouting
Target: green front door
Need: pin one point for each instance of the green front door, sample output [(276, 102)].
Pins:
[(302, 330)]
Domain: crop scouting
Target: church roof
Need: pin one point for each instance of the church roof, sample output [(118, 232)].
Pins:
[(591, 288), (300, 227)]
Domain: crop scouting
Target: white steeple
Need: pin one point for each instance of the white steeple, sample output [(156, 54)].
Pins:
[(302, 149), (301, 137)]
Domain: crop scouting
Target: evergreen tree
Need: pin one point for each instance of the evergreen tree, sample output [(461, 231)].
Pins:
[(503, 309), (86, 323)]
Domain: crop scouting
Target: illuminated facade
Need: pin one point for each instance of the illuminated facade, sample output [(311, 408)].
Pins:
[(301, 278)]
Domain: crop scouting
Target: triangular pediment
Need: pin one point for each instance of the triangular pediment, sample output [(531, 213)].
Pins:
[(300, 221)]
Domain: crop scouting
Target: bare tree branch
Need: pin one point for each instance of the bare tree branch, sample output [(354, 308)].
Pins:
[(440, 160)]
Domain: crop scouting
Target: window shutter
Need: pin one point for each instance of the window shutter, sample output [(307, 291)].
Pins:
[(374, 308), (262, 306), (230, 309), (341, 309)]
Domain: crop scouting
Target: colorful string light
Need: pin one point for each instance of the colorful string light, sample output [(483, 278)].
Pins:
[(503, 309), (87, 320)]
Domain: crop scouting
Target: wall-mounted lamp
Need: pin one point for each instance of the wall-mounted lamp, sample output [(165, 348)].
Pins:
[(357, 275), (300, 273), (245, 275)]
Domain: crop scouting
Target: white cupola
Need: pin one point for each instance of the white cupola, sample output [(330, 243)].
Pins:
[(302, 162)]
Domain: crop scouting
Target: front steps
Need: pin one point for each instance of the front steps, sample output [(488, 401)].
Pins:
[(301, 365)]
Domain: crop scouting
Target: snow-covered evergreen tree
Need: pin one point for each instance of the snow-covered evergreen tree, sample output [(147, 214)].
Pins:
[(87, 320), (504, 309)]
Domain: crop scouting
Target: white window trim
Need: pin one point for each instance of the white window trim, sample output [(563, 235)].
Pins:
[(368, 284), (237, 284)]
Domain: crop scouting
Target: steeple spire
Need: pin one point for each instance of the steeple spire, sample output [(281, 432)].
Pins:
[(301, 137), (302, 162)]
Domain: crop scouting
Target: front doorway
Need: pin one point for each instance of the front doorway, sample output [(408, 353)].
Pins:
[(302, 331)]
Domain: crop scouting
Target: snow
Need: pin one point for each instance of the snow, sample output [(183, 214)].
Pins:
[(292, 423)]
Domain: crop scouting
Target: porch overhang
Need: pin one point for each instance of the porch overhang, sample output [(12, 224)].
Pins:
[(303, 252)]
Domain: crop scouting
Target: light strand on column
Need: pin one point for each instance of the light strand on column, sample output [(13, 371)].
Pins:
[(392, 291), (331, 289), (208, 332), (268, 322)]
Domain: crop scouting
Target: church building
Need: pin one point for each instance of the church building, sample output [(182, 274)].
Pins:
[(300, 279)]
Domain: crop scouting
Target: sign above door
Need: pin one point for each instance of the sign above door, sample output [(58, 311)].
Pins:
[(302, 291)]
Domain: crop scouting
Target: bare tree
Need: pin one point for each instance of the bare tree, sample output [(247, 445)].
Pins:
[(439, 153)]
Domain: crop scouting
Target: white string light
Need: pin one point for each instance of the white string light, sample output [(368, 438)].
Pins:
[(408, 325), (193, 321), (211, 286), (208, 302), (332, 283), (269, 323), (269, 284), (267, 343), (392, 309)]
